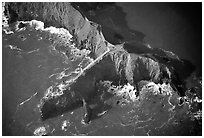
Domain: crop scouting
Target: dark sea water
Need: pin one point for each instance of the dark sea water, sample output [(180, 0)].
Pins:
[(175, 27), (33, 63)]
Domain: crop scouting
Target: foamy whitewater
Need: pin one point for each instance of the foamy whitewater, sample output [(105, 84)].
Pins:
[(43, 67)]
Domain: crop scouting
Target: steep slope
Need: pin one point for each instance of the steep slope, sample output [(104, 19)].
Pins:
[(77, 62)]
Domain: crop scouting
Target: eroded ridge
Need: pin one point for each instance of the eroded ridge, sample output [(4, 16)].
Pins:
[(143, 92)]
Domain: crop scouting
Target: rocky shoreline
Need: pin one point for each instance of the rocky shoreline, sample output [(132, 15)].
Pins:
[(137, 72)]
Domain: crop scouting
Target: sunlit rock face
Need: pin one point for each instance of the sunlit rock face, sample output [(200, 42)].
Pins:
[(60, 66)]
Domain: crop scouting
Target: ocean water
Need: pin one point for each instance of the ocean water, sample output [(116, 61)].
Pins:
[(39, 62)]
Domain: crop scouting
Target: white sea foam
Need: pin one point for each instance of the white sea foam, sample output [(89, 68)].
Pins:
[(12, 47), (128, 91), (65, 125), (164, 89), (39, 25), (7, 30), (4, 17), (41, 131)]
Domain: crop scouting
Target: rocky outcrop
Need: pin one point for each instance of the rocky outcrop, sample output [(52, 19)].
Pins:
[(120, 64), (86, 33)]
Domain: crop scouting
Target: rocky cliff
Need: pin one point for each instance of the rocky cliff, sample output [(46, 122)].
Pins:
[(93, 60)]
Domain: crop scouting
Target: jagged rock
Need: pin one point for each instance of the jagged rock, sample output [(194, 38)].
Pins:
[(87, 35), (131, 69)]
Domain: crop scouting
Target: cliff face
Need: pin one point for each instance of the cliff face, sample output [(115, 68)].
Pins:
[(93, 60)]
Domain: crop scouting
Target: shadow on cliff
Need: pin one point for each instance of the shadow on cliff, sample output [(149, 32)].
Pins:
[(183, 67), (67, 103)]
